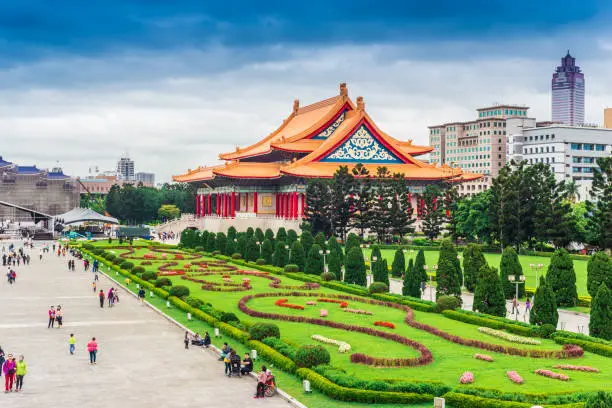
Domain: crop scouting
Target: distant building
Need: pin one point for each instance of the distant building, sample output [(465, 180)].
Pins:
[(50, 192), (608, 118), (100, 184), (571, 151), (568, 92), (147, 179), (125, 169), (478, 146)]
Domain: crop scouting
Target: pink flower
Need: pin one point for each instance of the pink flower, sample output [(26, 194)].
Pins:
[(551, 374), (484, 357), (514, 377), (311, 303), (586, 369), (323, 313), (467, 378)]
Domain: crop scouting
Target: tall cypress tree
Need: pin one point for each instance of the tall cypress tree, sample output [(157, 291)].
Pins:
[(399, 264), (510, 266), (355, 267), (259, 235), (241, 245), (600, 324), (230, 247), (599, 270), (341, 207), (448, 275), (307, 240), (473, 260), (320, 240), (314, 262), (351, 241), (375, 253), (281, 235), (335, 258), (544, 309), (419, 267), (267, 249), (211, 243), (281, 254), (250, 232), (380, 272), (562, 278), (412, 282), (297, 256), (291, 236), (231, 233), (221, 242), (489, 294), (252, 250), (269, 234)]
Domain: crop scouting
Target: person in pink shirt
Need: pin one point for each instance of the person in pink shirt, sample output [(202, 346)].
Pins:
[(110, 297), (9, 368), (92, 347), (51, 317)]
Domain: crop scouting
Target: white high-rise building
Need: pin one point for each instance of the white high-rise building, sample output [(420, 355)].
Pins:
[(125, 169), (568, 93)]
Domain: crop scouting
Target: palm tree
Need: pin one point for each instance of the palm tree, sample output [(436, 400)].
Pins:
[(572, 191)]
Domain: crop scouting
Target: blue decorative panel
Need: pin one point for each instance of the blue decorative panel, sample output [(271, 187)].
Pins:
[(362, 147), (328, 131)]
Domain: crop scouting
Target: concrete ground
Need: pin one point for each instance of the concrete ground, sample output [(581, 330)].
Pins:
[(141, 360)]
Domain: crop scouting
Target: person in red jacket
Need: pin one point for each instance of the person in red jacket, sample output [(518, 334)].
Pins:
[(92, 347), (9, 368)]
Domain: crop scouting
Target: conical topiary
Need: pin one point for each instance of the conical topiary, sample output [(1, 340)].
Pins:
[(600, 324), (399, 264), (562, 279), (355, 267), (510, 266), (544, 309), (489, 294), (473, 260)]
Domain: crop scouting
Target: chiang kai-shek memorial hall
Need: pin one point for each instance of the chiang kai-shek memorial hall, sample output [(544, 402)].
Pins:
[(264, 185)]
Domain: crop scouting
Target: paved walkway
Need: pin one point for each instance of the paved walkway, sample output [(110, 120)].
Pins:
[(141, 363), (570, 321)]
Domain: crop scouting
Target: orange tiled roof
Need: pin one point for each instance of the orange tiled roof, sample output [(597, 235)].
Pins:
[(300, 146), (199, 174), (410, 171), (249, 170)]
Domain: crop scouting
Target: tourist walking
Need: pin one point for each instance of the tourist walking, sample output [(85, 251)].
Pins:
[(20, 371), (515, 305), (94, 286), (71, 343), (527, 306), (186, 341), (9, 368), (141, 294), (59, 317), (2, 359), (102, 297), (110, 297), (92, 348), (51, 313)]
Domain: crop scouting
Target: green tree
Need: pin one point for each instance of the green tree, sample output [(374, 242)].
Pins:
[(211, 243), (380, 272), (399, 264), (448, 275), (241, 245), (599, 270), (320, 240), (220, 242), (281, 235), (352, 241), (292, 236), (281, 254), (335, 258), (600, 324), (489, 293), (600, 223), (381, 206), (267, 249), (473, 260), (318, 206), (432, 212), (471, 217), (203, 239), (314, 262), (188, 238), (269, 234), (355, 267), (511, 266), (297, 255), (562, 278), (412, 282), (252, 250), (307, 240), (341, 203), (168, 212), (375, 253), (362, 215), (231, 233), (250, 233), (230, 247), (544, 309), (401, 209), (419, 267), (259, 235)]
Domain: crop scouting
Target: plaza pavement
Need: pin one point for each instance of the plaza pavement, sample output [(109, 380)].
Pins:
[(141, 360)]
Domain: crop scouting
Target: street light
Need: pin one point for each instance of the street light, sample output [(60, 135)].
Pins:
[(537, 269), (259, 243), (287, 247), (435, 268), (374, 259), (321, 252), (521, 280)]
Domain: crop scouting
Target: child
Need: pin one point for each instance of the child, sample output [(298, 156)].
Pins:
[(71, 343), (20, 371), (93, 285)]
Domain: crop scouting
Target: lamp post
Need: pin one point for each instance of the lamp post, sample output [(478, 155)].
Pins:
[(259, 243), (435, 268), (374, 259), (521, 280), (324, 253), (288, 248), (426, 268)]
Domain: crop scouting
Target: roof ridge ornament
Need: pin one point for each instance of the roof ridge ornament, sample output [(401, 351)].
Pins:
[(296, 106), (360, 104), (343, 90)]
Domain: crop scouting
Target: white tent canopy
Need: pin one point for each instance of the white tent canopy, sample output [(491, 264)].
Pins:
[(77, 215)]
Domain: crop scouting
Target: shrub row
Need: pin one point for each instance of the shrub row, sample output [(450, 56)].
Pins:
[(479, 319), (273, 356), (335, 391), (593, 347), (280, 346), (458, 400), (414, 303)]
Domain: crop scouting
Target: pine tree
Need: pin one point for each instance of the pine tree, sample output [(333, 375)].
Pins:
[(292, 236), (211, 243), (511, 266), (599, 270), (317, 214), (419, 267), (203, 239), (241, 245), (562, 278), (259, 235), (401, 209), (381, 208), (544, 309), (432, 212), (352, 241), (220, 242), (297, 256), (267, 249), (380, 272), (250, 232), (252, 250), (448, 275), (230, 247), (375, 253), (231, 233), (307, 240), (489, 293), (362, 216), (336, 257), (600, 324), (473, 260), (399, 264), (355, 267), (281, 235), (341, 206), (320, 240), (281, 254), (600, 223), (412, 282), (269, 234), (314, 262)]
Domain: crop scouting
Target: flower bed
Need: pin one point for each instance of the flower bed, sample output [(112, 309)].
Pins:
[(586, 369), (551, 374), (177, 272), (385, 324), (509, 337), (283, 303), (146, 263), (357, 311), (466, 378), (514, 377), (149, 256), (483, 357), (323, 313), (179, 257), (343, 347), (311, 303), (342, 303)]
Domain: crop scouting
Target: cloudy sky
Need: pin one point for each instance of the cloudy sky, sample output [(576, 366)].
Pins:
[(175, 82)]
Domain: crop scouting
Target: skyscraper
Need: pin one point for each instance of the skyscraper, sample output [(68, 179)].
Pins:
[(125, 169), (568, 92)]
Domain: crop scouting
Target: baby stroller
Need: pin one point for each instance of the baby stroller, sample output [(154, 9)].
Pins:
[(270, 386), (235, 366)]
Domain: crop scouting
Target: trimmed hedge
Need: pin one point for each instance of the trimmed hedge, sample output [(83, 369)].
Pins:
[(458, 400), (592, 346), (273, 356), (179, 291), (492, 322), (260, 331), (310, 355), (334, 391), (413, 303)]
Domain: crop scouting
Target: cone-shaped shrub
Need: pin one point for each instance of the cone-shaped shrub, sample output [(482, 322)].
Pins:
[(419, 267), (473, 260), (259, 235), (307, 240), (335, 258), (292, 236), (599, 270), (544, 309), (489, 294), (252, 250), (211, 243), (601, 314), (448, 275), (562, 279), (231, 233), (320, 240), (380, 270), (510, 266), (314, 262), (269, 234), (297, 256), (266, 251), (399, 264), (281, 235), (355, 267), (250, 232), (351, 241), (221, 242), (230, 247), (241, 244), (281, 255), (412, 282)]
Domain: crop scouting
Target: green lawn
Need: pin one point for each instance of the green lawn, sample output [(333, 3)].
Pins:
[(450, 360), (431, 258)]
